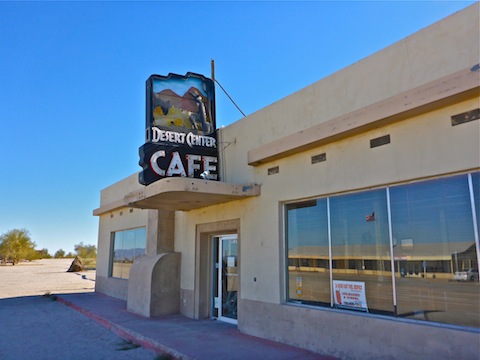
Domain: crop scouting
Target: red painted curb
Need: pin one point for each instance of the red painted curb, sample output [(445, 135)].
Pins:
[(127, 334)]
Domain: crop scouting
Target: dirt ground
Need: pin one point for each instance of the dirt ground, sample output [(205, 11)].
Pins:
[(34, 325), (43, 276)]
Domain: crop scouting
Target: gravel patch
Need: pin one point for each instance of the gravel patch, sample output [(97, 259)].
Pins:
[(34, 325)]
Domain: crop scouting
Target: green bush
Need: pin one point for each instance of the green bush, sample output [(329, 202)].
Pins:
[(60, 254), (86, 251), (16, 245), (87, 254)]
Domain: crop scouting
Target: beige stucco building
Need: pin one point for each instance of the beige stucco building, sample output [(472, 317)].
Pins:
[(366, 180)]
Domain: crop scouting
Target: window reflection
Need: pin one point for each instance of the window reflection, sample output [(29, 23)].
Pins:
[(127, 246), (434, 239), (432, 233), (361, 245), (476, 195), (117, 254), (307, 239)]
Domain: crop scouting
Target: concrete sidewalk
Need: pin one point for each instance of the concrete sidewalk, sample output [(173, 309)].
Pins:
[(178, 336)]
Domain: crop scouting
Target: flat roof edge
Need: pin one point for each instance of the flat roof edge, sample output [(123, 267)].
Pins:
[(109, 207), (460, 85)]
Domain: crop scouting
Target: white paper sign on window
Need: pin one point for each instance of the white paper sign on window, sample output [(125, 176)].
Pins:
[(350, 294)]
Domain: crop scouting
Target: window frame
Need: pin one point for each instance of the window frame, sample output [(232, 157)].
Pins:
[(286, 206), (112, 250)]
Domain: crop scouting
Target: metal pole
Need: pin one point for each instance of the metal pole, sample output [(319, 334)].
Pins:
[(474, 218), (392, 251), (213, 69), (330, 260)]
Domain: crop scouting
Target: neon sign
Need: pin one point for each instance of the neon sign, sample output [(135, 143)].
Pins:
[(180, 134)]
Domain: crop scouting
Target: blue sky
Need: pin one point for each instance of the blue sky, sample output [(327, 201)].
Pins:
[(72, 84)]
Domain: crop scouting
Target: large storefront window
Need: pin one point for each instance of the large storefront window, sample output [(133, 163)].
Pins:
[(476, 192), (308, 269), (339, 251), (434, 239), (127, 245), (361, 246)]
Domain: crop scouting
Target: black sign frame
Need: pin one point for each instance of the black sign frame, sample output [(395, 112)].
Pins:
[(180, 128)]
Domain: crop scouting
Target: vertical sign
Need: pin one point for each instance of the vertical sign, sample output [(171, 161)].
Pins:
[(180, 134), (299, 286)]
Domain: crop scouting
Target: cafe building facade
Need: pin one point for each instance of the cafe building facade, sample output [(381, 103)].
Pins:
[(337, 219)]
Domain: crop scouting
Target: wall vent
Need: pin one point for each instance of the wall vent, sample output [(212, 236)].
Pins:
[(319, 158), (382, 140), (273, 170), (466, 117)]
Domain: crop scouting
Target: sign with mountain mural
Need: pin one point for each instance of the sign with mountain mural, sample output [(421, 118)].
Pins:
[(180, 138)]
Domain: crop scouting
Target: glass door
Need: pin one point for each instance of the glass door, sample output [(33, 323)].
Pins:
[(228, 278)]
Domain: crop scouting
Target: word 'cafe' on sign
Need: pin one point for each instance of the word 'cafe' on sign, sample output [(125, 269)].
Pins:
[(176, 167)]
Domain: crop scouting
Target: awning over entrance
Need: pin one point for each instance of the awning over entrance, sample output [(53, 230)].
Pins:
[(188, 194), (183, 194)]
